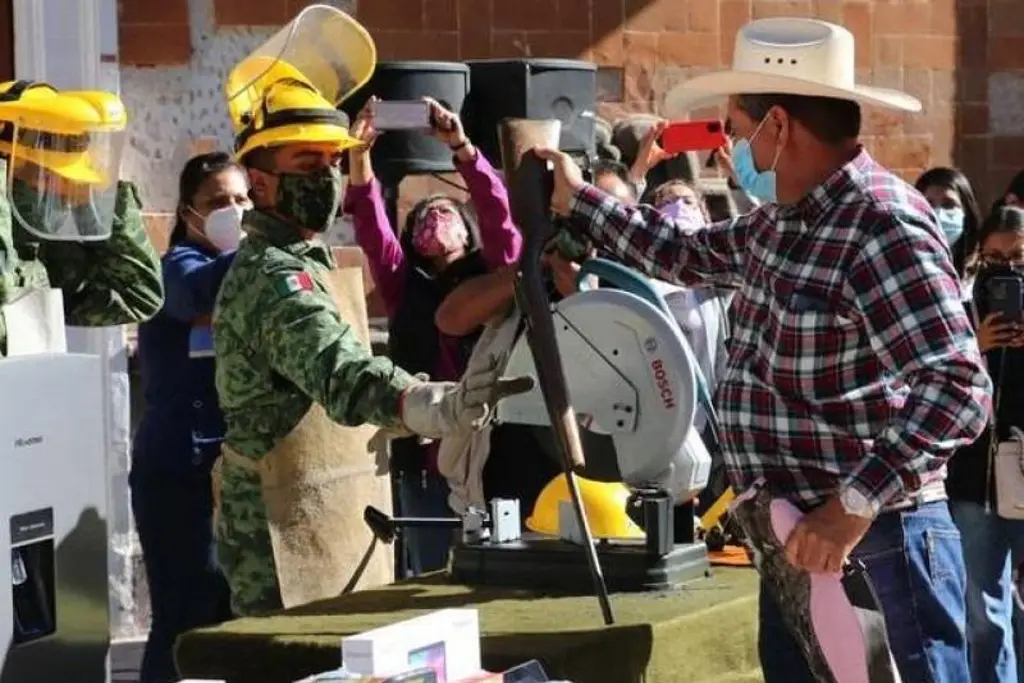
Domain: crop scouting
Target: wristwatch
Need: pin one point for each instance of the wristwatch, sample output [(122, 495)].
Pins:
[(857, 504)]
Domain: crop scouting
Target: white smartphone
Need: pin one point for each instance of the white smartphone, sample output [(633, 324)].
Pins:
[(401, 115)]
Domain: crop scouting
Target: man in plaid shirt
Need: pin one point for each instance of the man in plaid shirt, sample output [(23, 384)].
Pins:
[(854, 372)]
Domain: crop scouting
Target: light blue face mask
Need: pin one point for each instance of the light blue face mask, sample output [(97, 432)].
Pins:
[(952, 222), (760, 184)]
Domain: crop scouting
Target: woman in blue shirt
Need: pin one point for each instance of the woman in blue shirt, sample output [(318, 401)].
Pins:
[(181, 429)]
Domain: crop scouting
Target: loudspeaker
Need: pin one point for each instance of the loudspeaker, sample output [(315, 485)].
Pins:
[(400, 153), (562, 89)]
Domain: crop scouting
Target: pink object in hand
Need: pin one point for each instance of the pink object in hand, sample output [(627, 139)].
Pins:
[(835, 623)]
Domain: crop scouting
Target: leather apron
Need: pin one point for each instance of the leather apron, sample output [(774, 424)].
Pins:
[(317, 481)]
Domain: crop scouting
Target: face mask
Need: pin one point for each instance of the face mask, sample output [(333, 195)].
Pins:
[(683, 212), (760, 184), (952, 222), (440, 233), (310, 200), (223, 227)]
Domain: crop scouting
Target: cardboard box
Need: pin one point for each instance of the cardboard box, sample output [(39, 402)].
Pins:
[(447, 641)]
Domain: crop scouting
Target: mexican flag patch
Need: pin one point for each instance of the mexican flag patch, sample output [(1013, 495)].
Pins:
[(300, 282)]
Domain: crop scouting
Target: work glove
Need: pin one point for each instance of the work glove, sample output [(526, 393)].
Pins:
[(437, 409)]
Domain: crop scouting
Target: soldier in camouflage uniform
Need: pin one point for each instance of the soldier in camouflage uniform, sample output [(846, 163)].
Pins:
[(109, 281), (283, 351)]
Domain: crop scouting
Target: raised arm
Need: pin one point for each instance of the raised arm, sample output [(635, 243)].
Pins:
[(374, 233), (501, 242), (646, 239), (905, 287)]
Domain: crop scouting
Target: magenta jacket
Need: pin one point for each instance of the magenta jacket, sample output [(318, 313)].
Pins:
[(500, 244)]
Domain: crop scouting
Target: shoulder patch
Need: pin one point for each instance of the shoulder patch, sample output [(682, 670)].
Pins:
[(287, 285)]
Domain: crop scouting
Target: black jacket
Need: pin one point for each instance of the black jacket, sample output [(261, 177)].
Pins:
[(971, 465)]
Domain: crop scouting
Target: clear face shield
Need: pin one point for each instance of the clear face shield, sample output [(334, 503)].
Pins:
[(64, 187), (322, 47)]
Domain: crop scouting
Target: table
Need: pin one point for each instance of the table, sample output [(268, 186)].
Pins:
[(703, 632)]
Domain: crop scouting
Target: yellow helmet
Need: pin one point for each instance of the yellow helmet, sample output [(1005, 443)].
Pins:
[(73, 134), (604, 504), (288, 90)]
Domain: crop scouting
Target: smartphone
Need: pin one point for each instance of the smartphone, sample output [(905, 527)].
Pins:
[(1006, 297), (693, 136), (401, 115)]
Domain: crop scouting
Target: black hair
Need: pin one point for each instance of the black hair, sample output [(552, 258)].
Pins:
[(952, 178), (830, 120), (1015, 187), (197, 170), (602, 167), (413, 258), (1005, 219)]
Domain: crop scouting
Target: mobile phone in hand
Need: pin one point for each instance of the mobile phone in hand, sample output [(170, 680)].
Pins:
[(401, 115), (1006, 297), (693, 136)]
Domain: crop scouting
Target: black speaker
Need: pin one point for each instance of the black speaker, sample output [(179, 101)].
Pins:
[(400, 153), (562, 89)]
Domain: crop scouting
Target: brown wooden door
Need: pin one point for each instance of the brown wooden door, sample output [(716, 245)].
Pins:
[(6, 40)]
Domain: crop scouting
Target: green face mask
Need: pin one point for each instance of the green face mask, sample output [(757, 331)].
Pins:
[(310, 200)]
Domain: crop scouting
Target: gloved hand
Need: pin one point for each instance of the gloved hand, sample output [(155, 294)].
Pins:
[(436, 409)]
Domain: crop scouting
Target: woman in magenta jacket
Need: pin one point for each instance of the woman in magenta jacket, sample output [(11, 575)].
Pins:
[(442, 245)]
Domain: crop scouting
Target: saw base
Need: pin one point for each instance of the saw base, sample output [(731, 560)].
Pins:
[(553, 564)]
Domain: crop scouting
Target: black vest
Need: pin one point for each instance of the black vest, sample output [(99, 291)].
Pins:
[(414, 340)]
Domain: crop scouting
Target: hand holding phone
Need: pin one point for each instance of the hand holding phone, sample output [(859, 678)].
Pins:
[(693, 136), (405, 115)]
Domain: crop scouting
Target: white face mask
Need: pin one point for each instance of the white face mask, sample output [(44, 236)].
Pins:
[(223, 227)]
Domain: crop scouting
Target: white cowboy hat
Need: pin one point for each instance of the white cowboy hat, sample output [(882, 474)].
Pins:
[(788, 56)]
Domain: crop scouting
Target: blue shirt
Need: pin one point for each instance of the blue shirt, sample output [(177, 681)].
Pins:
[(182, 425)]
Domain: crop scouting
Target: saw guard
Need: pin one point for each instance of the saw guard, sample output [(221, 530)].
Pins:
[(628, 374)]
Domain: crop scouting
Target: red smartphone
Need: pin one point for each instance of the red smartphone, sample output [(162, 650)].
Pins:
[(693, 136)]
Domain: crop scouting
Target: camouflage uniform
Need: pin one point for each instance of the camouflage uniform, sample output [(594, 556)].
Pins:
[(281, 346), (112, 282)]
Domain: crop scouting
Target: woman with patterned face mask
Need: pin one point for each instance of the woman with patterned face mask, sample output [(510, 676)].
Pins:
[(950, 195), (440, 247)]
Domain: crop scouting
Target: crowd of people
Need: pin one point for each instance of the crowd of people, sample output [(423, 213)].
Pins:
[(843, 319)]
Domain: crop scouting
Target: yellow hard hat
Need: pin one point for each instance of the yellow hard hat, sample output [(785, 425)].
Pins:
[(287, 91), (73, 134), (604, 504)]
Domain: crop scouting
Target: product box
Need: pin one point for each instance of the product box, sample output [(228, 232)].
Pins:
[(447, 641)]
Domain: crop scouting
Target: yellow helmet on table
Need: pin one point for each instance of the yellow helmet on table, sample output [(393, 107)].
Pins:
[(63, 152), (604, 504), (287, 91)]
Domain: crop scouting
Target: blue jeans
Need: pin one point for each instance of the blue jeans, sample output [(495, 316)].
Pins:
[(187, 590), (916, 565), (992, 548), (425, 495)]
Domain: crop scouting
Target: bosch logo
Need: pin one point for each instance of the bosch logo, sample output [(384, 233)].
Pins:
[(650, 345), (661, 380)]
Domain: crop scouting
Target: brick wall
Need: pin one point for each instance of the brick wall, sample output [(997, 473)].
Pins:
[(963, 58), (990, 93)]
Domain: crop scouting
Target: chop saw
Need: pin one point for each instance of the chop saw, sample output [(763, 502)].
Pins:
[(633, 383)]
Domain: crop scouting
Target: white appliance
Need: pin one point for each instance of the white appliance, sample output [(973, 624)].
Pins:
[(54, 614)]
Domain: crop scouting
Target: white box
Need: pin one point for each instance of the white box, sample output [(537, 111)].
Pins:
[(447, 640)]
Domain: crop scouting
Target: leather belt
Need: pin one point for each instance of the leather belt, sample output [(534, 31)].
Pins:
[(933, 492)]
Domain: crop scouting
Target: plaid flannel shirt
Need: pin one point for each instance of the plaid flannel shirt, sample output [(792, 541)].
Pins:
[(853, 363)]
